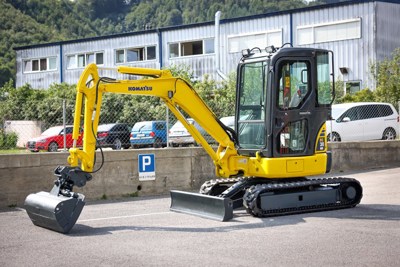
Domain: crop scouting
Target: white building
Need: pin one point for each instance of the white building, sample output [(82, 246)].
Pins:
[(359, 32)]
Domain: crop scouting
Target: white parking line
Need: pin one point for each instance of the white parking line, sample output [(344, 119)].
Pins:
[(124, 217)]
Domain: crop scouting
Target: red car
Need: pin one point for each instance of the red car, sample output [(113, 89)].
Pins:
[(53, 139)]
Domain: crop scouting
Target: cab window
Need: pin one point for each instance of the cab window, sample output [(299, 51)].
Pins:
[(293, 84)]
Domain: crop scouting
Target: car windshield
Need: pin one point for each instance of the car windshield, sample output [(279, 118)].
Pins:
[(104, 127), (52, 131), (141, 126)]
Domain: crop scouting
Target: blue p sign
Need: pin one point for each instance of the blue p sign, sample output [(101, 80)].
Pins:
[(147, 167)]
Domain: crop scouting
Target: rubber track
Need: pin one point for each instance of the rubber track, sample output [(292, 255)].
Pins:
[(207, 187), (251, 198)]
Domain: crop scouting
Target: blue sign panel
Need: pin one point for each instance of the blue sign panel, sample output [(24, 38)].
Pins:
[(147, 167)]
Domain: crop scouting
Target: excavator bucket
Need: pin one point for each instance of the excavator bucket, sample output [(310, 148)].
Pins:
[(206, 206), (57, 213)]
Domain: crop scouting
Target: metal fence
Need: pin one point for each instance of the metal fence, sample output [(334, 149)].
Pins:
[(136, 121), (125, 122)]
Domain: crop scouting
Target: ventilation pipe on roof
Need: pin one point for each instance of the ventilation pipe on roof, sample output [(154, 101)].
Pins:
[(217, 46)]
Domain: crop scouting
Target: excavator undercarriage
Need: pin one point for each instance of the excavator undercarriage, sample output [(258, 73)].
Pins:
[(219, 198)]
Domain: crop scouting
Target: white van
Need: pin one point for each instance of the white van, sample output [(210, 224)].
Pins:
[(363, 121)]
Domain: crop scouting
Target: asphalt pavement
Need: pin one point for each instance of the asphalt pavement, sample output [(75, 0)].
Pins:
[(143, 232)]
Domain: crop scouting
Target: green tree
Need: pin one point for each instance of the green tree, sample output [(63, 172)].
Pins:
[(364, 95), (219, 96), (26, 103), (387, 75)]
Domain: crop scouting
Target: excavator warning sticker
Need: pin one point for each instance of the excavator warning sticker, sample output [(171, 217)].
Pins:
[(147, 167)]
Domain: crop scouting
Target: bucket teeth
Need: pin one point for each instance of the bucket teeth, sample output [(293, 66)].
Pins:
[(57, 213)]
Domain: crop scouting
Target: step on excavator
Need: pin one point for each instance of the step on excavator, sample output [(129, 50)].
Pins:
[(283, 99)]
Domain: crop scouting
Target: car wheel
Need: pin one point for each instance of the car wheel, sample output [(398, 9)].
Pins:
[(157, 143), (53, 147), (389, 134), (117, 144), (335, 137)]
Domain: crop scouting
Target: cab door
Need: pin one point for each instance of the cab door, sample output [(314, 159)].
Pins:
[(302, 104)]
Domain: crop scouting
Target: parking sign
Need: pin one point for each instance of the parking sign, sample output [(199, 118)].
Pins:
[(147, 167)]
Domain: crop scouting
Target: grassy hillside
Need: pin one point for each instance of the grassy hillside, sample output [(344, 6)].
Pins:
[(27, 22)]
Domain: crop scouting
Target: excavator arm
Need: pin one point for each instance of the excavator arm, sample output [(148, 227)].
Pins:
[(176, 93), (60, 208)]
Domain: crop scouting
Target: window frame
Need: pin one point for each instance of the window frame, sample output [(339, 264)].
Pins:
[(84, 56), (142, 52), (206, 48), (42, 64), (289, 86), (312, 34), (352, 82), (250, 37)]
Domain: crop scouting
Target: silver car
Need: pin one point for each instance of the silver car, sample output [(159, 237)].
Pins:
[(179, 136)]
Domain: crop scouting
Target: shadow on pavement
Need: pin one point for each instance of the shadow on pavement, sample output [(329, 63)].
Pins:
[(361, 212)]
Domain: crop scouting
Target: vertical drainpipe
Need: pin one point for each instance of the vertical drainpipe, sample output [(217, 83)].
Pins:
[(217, 46), (291, 28), (160, 51), (61, 64)]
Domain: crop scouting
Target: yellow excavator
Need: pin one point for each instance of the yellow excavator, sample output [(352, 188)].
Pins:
[(283, 99)]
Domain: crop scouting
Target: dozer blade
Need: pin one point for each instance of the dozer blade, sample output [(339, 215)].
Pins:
[(206, 206), (58, 213)]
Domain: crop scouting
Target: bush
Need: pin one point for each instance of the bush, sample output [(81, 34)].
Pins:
[(8, 140)]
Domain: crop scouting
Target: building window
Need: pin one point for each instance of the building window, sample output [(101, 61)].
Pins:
[(27, 65), (71, 62), (352, 87), (237, 43), (52, 63), (173, 50), (151, 52), (209, 46), (329, 32), (99, 58), (82, 60), (89, 58), (41, 64), (119, 56), (134, 54), (191, 48), (35, 65)]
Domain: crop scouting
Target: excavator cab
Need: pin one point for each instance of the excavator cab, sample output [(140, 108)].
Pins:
[(283, 101)]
